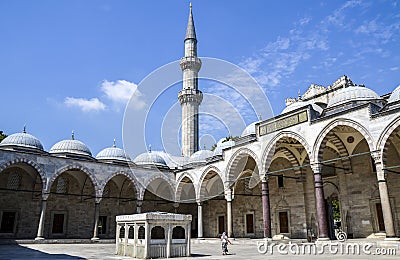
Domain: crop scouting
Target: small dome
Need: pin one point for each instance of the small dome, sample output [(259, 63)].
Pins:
[(71, 146), (355, 93), (112, 153), (150, 158), (395, 96), (250, 129), (22, 140), (301, 104), (200, 156), (223, 145)]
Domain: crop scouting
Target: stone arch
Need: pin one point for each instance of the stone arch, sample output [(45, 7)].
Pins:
[(31, 163), (131, 177), (321, 140), (201, 187), (386, 137), (153, 178), (292, 159), (270, 148), (179, 187), (85, 170), (342, 150), (235, 158)]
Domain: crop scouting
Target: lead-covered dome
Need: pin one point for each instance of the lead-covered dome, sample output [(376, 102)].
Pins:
[(223, 144), (250, 129), (71, 146), (22, 140), (112, 153), (395, 96), (300, 104), (200, 156), (150, 158), (354, 93)]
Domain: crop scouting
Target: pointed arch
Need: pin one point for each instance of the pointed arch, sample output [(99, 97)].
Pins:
[(202, 186), (270, 148), (31, 163), (81, 168), (179, 187), (234, 160), (386, 138), (291, 158), (321, 140), (131, 177), (154, 177)]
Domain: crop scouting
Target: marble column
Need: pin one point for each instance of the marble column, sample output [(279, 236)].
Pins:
[(169, 240), (266, 207), (39, 235), (199, 220), (384, 195), (96, 221), (320, 203), (228, 197)]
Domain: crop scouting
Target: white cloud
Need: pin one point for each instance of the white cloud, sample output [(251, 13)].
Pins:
[(121, 92), (85, 105)]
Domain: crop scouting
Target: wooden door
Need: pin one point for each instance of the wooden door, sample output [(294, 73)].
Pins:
[(221, 224), (249, 223), (58, 224), (379, 215), (283, 222)]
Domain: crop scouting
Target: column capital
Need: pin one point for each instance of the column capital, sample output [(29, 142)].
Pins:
[(265, 178), (97, 200), (139, 202), (199, 203), (377, 156), (316, 168), (228, 194), (45, 196)]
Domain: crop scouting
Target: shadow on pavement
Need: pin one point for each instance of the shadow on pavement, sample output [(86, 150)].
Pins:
[(20, 252)]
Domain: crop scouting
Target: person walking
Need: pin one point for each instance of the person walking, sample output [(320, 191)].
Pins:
[(225, 240)]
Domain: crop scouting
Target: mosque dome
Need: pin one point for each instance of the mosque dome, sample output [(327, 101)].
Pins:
[(150, 158), (222, 144), (112, 153), (250, 129), (22, 140), (301, 104), (71, 146), (200, 156), (355, 93), (395, 96)]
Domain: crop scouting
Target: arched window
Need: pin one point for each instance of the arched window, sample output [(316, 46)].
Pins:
[(141, 233), (131, 232), (62, 185), (122, 232), (178, 233), (14, 180), (157, 232)]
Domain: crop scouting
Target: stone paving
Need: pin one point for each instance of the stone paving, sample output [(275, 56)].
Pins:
[(206, 249)]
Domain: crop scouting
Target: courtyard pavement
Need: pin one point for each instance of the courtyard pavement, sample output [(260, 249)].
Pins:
[(206, 249)]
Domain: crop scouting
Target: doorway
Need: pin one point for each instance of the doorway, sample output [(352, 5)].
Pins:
[(221, 224)]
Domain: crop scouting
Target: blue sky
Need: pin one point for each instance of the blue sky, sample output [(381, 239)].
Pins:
[(69, 65)]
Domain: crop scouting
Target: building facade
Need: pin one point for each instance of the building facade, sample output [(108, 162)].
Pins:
[(331, 156)]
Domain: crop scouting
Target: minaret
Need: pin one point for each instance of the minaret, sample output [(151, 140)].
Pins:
[(190, 97)]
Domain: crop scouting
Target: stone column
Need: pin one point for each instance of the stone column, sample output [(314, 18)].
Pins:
[(96, 221), (320, 203), (169, 240), (188, 236), (39, 235), (266, 207), (199, 220), (384, 195), (228, 197), (139, 206)]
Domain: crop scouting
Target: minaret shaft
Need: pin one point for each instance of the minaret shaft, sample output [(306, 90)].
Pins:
[(190, 97)]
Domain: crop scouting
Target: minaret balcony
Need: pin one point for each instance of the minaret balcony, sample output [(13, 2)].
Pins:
[(190, 95), (190, 63)]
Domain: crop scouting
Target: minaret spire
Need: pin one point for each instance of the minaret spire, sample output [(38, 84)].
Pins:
[(190, 97), (190, 31)]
